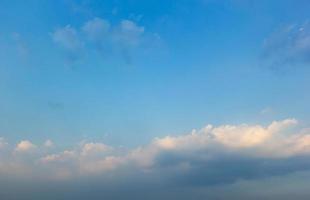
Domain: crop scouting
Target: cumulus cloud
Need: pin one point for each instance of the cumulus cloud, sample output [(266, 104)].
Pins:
[(254, 140), (289, 45), (199, 164), (209, 156), (253, 147), (25, 146)]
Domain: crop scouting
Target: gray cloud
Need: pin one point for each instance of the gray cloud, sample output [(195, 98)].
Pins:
[(222, 169)]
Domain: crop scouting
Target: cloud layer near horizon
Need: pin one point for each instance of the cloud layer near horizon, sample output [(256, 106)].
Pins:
[(219, 154), (226, 157)]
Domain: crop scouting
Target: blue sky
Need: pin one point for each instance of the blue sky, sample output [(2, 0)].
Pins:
[(197, 62), (123, 72)]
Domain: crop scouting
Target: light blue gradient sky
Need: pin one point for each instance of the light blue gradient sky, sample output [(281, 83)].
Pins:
[(198, 62)]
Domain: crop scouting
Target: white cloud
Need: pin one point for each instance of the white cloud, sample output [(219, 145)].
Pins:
[(97, 29), (280, 140), (256, 140), (244, 136), (48, 144), (71, 43), (120, 38), (125, 34), (64, 156), (88, 158), (94, 148), (129, 33), (272, 141), (107, 163), (25, 146), (68, 38)]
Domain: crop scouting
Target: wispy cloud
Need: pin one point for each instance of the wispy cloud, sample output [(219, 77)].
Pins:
[(68, 38), (288, 45), (97, 29), (21, 46), (106, 38)]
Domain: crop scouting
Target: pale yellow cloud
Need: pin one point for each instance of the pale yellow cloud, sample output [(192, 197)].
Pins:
[(25, 146)]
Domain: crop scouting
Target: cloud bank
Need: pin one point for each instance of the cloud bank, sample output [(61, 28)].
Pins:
[(279, 141), (214, 156)]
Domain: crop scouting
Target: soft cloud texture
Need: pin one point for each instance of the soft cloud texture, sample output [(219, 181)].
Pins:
[(279, 143), (68, 38), (289, 45), (97, 29), (226, 156), (48, 143), (106, 38), (255, 140), (129, 33), (25, 146), (58, 157), (94, 148)]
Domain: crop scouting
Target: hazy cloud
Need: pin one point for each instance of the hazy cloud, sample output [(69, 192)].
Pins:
[(48, 144), (97, 29), (21, 46), (120, 39), (288, 45), (129, 33), (68, 38)]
